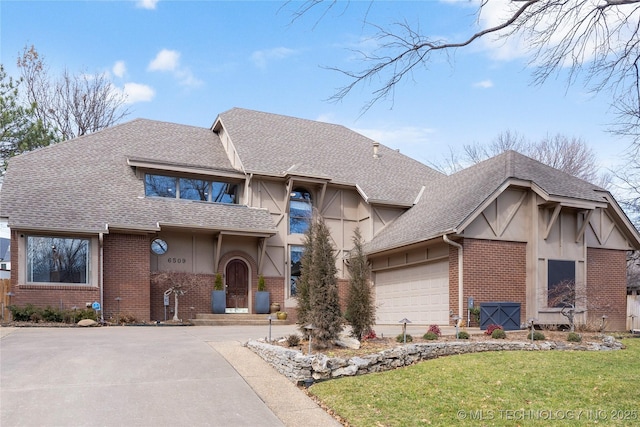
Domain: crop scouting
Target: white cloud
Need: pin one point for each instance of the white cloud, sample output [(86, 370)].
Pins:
[(165, 60), (119, 69), (136, 92), (147, 4), (186, 78), (484, 84), (261, 57), (402, 137)]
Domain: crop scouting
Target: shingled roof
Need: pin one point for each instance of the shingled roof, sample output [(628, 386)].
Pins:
[(448, 202), (86, 184), (273, 144)]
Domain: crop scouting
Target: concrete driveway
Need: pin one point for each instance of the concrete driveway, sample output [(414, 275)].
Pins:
[(144, 376)]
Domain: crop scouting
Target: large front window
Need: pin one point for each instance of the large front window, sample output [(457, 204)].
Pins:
[(190, 189), (57, 260), (300, 211)]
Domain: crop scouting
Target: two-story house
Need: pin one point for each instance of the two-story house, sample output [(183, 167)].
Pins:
[(93, 218)]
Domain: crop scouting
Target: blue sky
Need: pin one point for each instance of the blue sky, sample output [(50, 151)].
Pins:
[(187, 61)]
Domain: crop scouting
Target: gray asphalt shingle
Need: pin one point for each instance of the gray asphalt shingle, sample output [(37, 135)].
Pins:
[(85, 183), (271, 143), (449, 201)]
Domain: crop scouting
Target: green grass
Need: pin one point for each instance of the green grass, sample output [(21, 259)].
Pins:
[(496, 388)]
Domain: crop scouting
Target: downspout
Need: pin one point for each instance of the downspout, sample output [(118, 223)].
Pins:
[(460, 277), (101, 274)]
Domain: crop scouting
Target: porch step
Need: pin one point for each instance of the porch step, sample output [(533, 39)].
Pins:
[(208, 319)]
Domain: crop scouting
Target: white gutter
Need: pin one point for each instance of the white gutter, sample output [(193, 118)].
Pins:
[(460, 277), (101, 274)]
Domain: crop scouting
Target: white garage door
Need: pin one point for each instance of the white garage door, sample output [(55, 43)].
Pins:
[(419, 293)]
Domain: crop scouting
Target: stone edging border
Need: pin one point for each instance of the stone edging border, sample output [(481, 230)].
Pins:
[(299, 368)]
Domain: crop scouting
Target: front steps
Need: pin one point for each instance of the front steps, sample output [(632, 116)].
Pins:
[(247, 319)]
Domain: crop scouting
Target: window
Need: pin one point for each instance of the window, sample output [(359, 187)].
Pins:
[(561, 283), (300, 211), (57, 260), (295, 255), (194, 189), (190, 189), (160, 186)]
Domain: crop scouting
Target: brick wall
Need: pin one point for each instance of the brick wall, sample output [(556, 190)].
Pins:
[(607, 287), (198, 297), (493, 271), (127, 275)]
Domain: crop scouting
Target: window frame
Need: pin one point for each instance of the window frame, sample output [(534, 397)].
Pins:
[(293, 282), (297, 195), (226, 191), (54, 242), (558, 271)]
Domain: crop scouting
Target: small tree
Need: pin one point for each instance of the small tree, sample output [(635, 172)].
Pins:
[(361, 311), (178, 283), (572, 301)]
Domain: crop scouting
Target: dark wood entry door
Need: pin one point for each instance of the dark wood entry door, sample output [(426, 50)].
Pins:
[(237, 274)]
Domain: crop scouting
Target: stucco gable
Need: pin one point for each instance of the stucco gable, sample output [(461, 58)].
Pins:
[(451, 203)]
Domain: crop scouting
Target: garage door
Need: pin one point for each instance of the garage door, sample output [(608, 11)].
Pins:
[(419, 293)]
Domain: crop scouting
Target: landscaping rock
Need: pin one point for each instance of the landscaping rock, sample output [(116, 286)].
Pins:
[(87, 322), (348, 342), (297, 367)]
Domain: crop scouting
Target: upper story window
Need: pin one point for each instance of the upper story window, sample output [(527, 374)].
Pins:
[(300, 211), (190, 189), (57, 260)]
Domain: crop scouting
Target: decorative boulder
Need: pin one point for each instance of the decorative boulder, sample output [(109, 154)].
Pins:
[(348, 342), (87, 322)]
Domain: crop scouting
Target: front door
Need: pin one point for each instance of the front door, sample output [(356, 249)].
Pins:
[(237, 274)]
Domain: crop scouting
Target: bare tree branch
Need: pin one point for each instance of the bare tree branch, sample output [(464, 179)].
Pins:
[(598, 37), (74, 104)]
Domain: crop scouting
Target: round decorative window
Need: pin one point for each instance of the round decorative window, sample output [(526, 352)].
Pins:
[(159, 246)]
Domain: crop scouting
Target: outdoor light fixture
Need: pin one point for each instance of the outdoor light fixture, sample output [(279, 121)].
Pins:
[(532, 320), (604, 319), (456, 319), (404, 328), (270, 319), (310, 328)]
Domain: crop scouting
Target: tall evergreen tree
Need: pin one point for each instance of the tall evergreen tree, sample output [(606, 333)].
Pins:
[(361, 310), (323, 288), (302, 286)]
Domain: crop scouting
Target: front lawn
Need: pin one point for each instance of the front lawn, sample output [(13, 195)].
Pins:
[(496, 388)]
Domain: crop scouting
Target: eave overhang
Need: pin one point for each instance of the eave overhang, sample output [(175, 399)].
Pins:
[(156, 165)]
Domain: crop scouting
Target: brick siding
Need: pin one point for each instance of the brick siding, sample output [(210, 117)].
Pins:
[(607, 285), (493, 271), (127, 275)]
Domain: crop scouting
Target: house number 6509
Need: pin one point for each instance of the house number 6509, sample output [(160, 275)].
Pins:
[(177, 260)]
